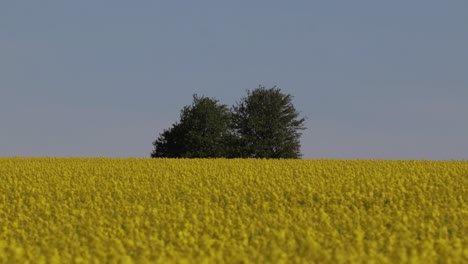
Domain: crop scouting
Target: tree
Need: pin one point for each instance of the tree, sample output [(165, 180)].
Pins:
[(267, 125), (170, 143), (202, 132)]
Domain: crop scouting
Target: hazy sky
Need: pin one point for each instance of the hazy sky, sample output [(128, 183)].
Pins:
[(375, 79)]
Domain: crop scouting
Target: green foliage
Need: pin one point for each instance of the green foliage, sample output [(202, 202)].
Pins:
[(202, 132), (264, 124), (267, 124)]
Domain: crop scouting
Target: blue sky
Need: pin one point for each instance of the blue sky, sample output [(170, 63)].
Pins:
[(375, 79)]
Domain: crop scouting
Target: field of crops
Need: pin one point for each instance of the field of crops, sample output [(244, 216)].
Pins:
[(97, 210)]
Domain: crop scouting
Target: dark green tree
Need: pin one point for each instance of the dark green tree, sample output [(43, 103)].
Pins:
[(202, 132), (267, 125), (170, 143)]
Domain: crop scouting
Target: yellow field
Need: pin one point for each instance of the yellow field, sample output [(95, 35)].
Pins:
[(57, 210)]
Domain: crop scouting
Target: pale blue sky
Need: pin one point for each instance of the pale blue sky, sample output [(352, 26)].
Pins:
[(375, 79)]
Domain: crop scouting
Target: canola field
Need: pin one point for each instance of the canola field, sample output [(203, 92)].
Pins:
[(102, 210)]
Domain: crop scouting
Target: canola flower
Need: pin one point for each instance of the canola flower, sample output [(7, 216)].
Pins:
[(102, 210)]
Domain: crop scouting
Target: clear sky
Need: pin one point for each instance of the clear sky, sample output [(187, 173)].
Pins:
[(375, 79)]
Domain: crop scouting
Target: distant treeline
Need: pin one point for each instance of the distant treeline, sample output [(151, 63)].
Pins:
[(263, 124)]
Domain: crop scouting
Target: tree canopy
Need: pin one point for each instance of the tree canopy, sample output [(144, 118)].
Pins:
[(267, 124), (202, 132), (263, 124)]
